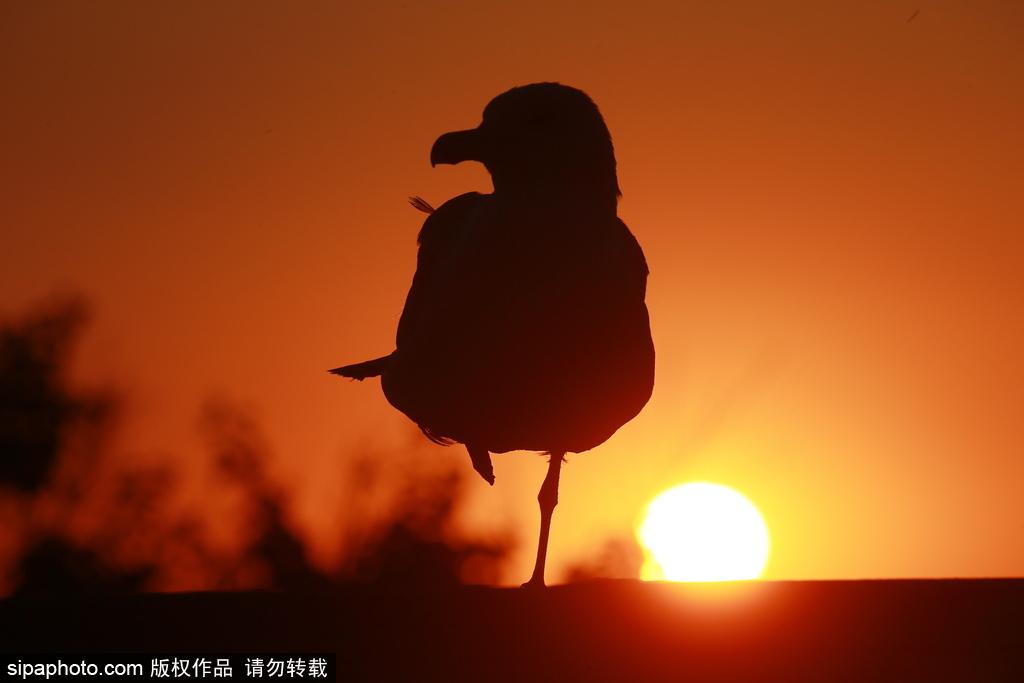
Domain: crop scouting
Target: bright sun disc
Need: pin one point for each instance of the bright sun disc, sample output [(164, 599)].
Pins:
[(703, 532)]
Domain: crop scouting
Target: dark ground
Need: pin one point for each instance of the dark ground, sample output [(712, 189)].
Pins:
[(920, 630)]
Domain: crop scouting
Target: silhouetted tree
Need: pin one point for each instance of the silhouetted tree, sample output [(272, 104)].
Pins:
[(39, 413), (240, 454), (419, 543), (95, 523), (618, 558)]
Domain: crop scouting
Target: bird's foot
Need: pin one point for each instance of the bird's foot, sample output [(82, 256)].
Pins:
[(534, 584), (481, 460)]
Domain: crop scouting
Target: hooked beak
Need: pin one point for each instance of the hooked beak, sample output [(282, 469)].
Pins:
[(452, 148)]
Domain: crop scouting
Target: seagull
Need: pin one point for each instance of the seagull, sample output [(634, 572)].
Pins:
[(525, 327)]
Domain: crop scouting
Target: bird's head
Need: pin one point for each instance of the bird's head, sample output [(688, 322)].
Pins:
[(543, 139)]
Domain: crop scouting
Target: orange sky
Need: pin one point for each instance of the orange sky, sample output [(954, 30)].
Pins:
[(829, 198)]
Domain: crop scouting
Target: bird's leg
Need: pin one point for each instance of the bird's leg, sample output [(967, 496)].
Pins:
[(548, 499)]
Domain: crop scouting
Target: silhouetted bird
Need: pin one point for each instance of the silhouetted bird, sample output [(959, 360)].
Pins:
[(525, 327)]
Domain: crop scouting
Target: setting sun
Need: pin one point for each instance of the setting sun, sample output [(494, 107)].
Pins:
[(703, 532)]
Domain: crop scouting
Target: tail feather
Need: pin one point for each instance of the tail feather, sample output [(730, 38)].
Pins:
[(360, 371)]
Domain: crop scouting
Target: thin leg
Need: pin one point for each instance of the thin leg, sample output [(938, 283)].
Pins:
[(548, 499)]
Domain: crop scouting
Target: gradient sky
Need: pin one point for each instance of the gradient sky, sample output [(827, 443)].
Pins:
[(830, 198)]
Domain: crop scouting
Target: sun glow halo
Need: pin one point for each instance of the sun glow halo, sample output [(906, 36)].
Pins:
[(701, 531)]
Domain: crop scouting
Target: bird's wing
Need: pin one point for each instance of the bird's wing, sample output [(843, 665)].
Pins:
[(633, 260), (437, 239)]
